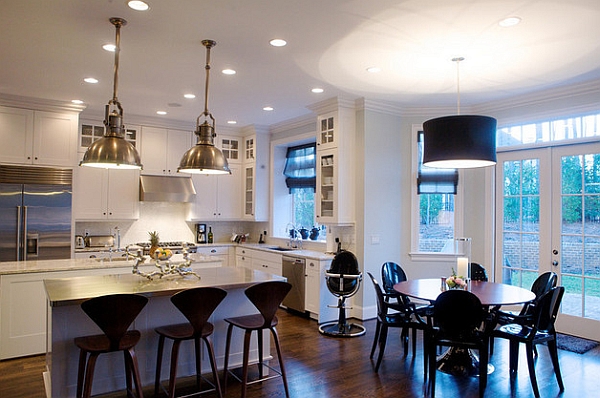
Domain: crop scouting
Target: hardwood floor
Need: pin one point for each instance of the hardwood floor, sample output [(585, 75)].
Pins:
[(319, 366)]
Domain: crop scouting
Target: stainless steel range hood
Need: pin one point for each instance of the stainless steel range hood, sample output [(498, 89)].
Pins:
[(166, 189)]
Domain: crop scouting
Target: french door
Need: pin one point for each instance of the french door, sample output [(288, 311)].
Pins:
[(548, 219)]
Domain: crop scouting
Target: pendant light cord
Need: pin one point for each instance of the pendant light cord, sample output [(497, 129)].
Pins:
[(208, 44), (457, 60), (117, 22)]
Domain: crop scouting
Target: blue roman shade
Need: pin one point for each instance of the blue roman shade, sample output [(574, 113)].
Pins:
[(434, 180), (300, 167)]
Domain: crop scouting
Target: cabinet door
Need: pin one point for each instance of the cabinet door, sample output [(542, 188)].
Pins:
[(326, 206), (178, 143), (248, 181), (327, 134), (55, 139), (204, 207), (90, 190), (16, 135), (231, 148), (123, 200), (229, 195), (153, 150), (311, 299)]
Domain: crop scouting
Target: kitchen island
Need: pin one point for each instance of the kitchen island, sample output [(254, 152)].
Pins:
[(66, 320)]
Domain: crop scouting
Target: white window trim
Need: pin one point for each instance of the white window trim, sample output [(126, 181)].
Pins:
[(415, 254)]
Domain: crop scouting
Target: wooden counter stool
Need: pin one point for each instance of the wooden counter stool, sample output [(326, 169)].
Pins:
[(113, 314), (197, 305), (266, 297)]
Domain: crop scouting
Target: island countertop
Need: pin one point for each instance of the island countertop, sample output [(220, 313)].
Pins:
[(69, 291)]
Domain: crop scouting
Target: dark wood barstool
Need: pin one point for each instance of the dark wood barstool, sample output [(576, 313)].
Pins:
[(113, 314), (266, 297), (197, 305)]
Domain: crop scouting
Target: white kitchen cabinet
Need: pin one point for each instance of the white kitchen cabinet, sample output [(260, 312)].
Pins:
[(218, 252), (336, 162), (218, 197), (243, 257), (162, 150), (231, 148), (255, 177), (313, 279), (318, 298), (91, 131), (38, 137), (259, 260), (105, 194)]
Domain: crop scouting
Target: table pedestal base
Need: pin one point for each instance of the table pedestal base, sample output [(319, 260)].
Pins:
[(460, 362)]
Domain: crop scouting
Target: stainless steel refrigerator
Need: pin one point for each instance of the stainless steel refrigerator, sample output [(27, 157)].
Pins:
[(35, 213)]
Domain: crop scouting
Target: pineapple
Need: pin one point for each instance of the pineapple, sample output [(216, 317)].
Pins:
[(154, 239)]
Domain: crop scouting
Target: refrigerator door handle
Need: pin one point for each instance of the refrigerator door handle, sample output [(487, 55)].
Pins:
[(19, 234)]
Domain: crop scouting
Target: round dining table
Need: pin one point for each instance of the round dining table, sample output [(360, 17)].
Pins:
[(492, 295)]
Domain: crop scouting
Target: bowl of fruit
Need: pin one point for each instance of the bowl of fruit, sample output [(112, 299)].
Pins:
[(164, 254)]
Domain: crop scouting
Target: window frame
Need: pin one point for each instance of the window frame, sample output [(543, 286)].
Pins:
[(415, 254)]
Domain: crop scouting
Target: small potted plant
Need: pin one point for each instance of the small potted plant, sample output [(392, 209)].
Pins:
[(456, 281)]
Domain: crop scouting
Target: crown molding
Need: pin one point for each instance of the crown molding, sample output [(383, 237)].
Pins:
[(295, 123), (39, 104)]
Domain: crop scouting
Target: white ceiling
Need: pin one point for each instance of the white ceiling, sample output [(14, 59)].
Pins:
[(48, 47)]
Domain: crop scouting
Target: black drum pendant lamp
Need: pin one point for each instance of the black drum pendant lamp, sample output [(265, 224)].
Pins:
[(460, 141), (112, 151), (204, 157)]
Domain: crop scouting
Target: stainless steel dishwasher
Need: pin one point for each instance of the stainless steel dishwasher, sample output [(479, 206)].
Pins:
[(294, 269)]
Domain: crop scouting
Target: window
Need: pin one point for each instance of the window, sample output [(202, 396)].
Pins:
[(300, 178), (435, 194)]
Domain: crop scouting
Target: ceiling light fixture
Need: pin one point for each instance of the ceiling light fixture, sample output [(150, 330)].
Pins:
[(278, 42), (268, 108), (91, 80), (461, 141), (189, 96), (317, 90), (112, 150), (138, 5), (109, 47), (204, 157), (228, 72), (510, 21)]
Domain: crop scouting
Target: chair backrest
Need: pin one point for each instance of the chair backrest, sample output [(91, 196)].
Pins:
[(382, 305), (478, 272), (344, 263), (457, 313), (267, 296), (198, 304), (391, 273), (114, 313), (544, 283), (546, 309)]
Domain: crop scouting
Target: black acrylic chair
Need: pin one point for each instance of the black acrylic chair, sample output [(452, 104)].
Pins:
[(478, 272), (542, 284), (113, 314), (539, 330), (343, 280), (197, 305), (402, 316), (266, 297), (458, 316)]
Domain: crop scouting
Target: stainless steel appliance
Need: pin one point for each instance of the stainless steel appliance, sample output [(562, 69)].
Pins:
[(35, 209), (201, 233), (294, 269)]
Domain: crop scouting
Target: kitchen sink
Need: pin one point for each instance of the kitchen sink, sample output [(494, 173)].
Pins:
[(280, 249)]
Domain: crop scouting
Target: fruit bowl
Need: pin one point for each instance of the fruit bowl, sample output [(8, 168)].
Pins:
[(164, 254)]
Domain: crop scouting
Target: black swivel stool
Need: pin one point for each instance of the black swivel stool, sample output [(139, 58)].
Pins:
[(266, 297), (113, 314), (343, 281), (197, 305)]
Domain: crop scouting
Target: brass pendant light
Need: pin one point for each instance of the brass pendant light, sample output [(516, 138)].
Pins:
[(205, 157), (112, 150), (460, 141)]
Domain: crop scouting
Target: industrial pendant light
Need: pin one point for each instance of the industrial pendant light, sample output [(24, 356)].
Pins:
[(112, 151), (461, 141), (204, 157)]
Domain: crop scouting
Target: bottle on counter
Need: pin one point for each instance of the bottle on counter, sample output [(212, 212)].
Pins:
[(210, 234)]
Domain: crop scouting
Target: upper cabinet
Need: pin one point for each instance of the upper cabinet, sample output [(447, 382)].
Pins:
[(38, 137), (255, 178), (336, 159), (93, 130), (218, 197), (162, 150), (231, 148)]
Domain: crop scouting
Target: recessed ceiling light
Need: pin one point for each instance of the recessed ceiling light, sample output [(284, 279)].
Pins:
[(90, 80), (138, 5), (231, 122), (161, 112), (228, 72), (510, 21), (317, 90), (374, 69), (189, 96), (109, 47), (268, 108), (278, 42), (78, 102)]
